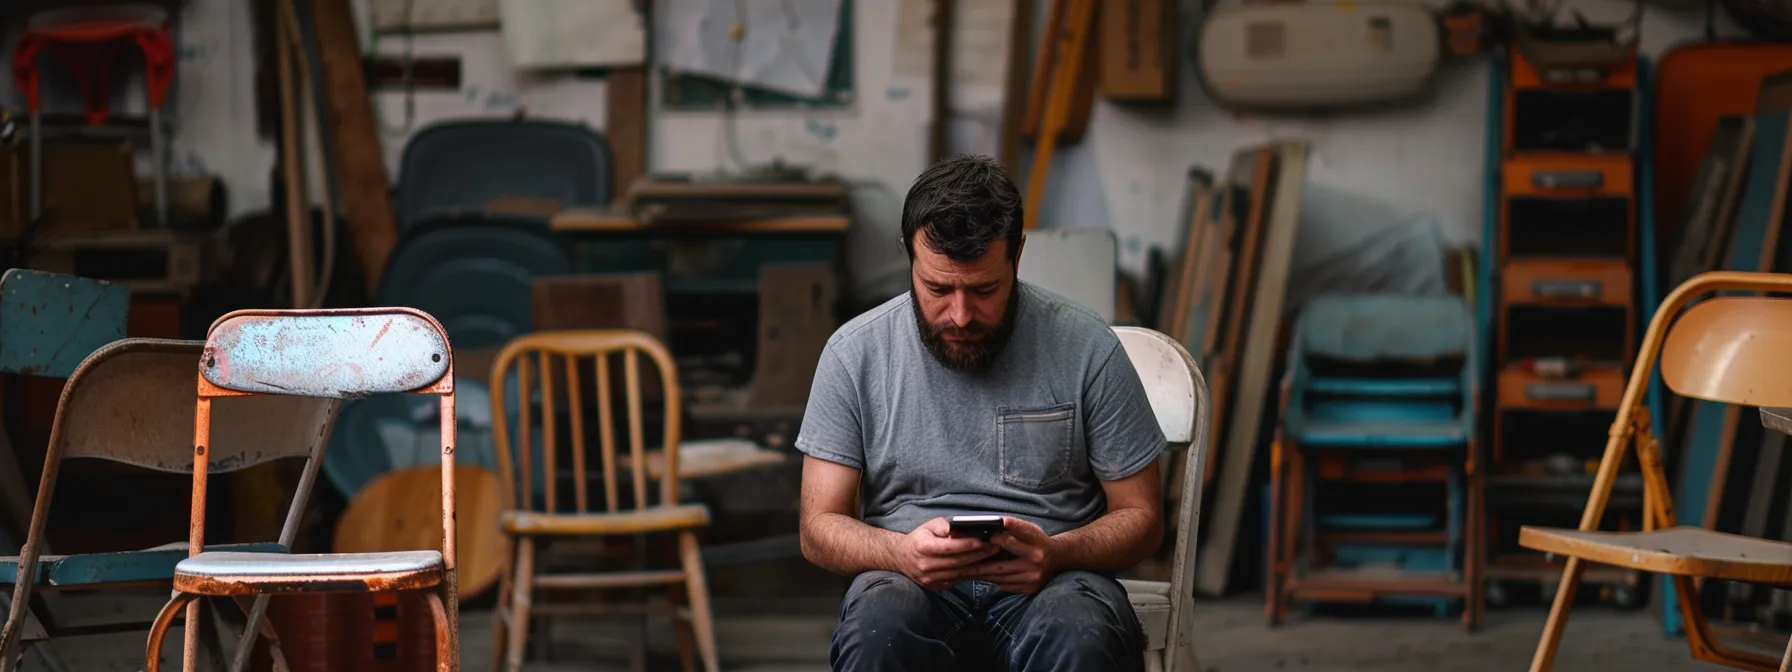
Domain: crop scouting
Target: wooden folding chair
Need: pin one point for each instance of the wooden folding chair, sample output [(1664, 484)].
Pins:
[(536, 513), (259, 355), (1728, 349)]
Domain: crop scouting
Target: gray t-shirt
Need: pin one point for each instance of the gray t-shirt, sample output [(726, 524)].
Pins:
[(1060, 408)]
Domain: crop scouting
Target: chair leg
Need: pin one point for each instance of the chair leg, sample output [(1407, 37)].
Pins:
[(697, 587), (1182, 658), (158, 630), (1786, 659), (212, 636), (501, 615), (445, 653), (246, 644), (1273, 582), (1558, 617), (681, 627), (521, 595), (46, 654)]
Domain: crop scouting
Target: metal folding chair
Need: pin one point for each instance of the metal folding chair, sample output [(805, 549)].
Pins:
[(327, 355), (1179, 398), (126, 403)]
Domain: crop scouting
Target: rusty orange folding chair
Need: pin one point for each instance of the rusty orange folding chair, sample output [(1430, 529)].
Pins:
[(327, 354), (1728, 349)]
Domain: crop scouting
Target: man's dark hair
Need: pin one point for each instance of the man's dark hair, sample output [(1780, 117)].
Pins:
[(966, 203)]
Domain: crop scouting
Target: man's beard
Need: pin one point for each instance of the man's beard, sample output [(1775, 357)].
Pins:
[(966, 356)]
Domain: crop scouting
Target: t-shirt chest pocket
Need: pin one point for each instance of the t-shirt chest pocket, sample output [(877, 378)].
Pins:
[(1035, 445)]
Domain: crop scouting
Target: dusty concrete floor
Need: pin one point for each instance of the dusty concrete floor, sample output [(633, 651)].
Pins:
[(1233, 639)]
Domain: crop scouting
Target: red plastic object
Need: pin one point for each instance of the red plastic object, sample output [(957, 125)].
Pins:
[(89, 49)]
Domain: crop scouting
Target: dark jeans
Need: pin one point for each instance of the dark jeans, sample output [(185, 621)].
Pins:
[(1078, 621)]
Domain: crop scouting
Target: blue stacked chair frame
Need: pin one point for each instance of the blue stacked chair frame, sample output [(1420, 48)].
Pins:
[(1380, 394)]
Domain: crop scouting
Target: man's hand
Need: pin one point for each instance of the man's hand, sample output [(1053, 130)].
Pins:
[(1035, 558), (932, 557)]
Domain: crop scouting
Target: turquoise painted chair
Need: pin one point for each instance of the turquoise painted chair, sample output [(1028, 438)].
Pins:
[(131, 402), (1379, 393)]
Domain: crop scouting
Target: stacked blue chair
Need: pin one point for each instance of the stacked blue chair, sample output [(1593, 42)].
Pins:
[(1374, 494), (464, 165)]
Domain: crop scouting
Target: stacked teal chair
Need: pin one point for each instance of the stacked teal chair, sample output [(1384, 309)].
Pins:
[(1374, 494)]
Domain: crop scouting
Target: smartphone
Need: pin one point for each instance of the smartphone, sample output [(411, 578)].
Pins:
[(978, 526)]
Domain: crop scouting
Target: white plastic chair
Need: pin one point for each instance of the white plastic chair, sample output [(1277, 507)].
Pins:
[(1178, 394)]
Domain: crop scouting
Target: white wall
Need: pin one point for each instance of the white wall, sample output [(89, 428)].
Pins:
[(1368, 169)]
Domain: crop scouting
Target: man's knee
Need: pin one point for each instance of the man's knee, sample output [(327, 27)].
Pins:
[(882, 605), (1087, 616)]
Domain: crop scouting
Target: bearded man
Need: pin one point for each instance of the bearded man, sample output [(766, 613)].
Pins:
[(976, 393)]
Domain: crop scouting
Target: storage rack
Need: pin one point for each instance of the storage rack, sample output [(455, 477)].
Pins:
[(1567, 283)]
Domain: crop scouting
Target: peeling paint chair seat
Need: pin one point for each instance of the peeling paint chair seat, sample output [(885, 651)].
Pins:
[(234, 573), (1177, 392)]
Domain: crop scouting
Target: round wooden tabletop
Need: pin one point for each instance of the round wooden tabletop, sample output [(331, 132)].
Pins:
[(401, 510)]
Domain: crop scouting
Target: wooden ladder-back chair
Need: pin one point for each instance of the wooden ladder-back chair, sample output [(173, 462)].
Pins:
[(128, 402), (1179, 399), (1724, 349), (256, 359), (538, 513)]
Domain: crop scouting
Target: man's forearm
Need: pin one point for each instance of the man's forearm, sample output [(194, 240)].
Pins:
[(1114, 542), (846, 545)]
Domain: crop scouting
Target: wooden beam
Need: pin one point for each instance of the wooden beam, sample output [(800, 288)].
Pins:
[(360, 160), (1015, 94), (626, 126)]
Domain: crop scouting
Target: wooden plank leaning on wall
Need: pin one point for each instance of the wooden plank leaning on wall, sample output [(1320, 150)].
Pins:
[(360, 161)]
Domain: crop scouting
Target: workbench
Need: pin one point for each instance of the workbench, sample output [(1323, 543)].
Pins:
[(711, 274)]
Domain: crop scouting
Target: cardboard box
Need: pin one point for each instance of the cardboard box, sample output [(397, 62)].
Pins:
[(1138, 50)]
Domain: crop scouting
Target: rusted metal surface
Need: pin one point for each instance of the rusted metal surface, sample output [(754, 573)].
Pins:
[(319, 354), (158, 631), (49, 322), (326, 353), (447, 638), (257, 574)]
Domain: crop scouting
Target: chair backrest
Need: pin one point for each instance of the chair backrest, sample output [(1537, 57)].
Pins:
[(329, 354), (1172, 379), (1178, 393), (548, 363), (50, 322), (466, 164), (132, 401), (473, 273), (1731, 350), (1371, 327)]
